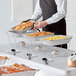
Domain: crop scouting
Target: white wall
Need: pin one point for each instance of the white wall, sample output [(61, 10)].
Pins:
[(71, 22), (5, 19), (34, 3), (22, 9)]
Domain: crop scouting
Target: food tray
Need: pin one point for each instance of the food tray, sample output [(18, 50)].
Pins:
[(56, 42), (3, 61), (17, 34), (26, 73), (35, 40), (22, 31)]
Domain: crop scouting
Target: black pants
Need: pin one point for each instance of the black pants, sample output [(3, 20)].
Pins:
[(58, 28)]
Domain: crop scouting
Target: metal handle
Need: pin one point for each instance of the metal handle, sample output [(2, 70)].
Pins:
[(29, 55), (38, 30), (14, 51), (33, 27), (45, 60)]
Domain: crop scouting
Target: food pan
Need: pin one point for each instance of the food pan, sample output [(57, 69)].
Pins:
[(57, 42), (17, 34), (25, 73), (3, 61), (22, 31), (35, 40)]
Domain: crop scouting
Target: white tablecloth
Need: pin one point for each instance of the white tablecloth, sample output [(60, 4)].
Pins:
[(58, 67)]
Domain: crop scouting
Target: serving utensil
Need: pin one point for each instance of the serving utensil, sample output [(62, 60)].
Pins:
[(45, 60), (14, 51), (29, 55)]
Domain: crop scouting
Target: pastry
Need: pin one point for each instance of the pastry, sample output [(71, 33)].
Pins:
[(3, 60), (23, 25), (3, 57), (15, 68), (37, 34)]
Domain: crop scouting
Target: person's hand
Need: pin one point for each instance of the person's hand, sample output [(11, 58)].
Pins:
[(40, 24)]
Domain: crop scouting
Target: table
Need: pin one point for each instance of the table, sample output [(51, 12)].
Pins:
[(58, 67)]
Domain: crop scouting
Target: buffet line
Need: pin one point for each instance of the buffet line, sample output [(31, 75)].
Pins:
[(25, 30)]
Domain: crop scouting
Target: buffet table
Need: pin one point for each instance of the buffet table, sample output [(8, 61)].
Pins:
[(57, 65)]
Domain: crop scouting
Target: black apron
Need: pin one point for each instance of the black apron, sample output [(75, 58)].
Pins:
[(49, 8)]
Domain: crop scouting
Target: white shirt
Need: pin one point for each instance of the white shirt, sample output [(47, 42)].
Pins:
[(61, 8)]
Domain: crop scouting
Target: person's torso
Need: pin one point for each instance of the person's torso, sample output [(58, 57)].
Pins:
[(48, 7)]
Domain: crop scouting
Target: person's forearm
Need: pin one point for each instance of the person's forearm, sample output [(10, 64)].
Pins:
[(55, 18), (37, 13), (62, 10), (36, 16)]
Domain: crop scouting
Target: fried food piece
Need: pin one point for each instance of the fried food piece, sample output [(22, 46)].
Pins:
[(15, 68), (3, 57), (55, 38), (23, 26), (17, 27), (43, 33), (16, 65)]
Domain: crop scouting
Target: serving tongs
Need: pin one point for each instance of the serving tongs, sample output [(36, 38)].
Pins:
[(28, 30), (32, 20)]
